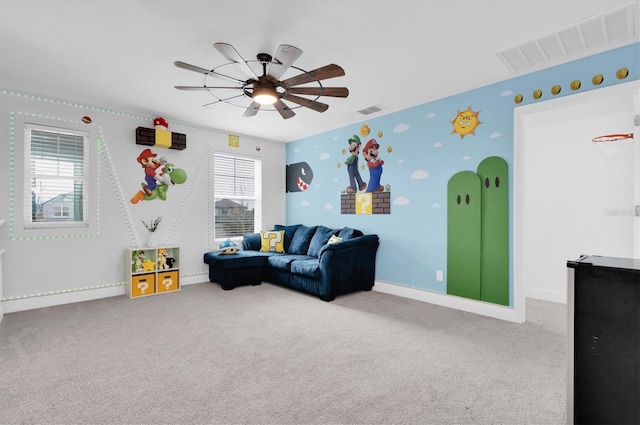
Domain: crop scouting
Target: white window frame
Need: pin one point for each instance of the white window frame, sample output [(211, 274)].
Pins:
[(256, 198), (61, 221)]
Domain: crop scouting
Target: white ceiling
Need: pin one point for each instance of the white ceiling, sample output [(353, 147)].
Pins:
[(119, 54)]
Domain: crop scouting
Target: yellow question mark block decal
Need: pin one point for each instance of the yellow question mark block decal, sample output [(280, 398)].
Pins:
[(272, 241), (364, 203)]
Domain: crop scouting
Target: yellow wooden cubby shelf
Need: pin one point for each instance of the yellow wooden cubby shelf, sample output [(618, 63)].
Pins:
[(152, 270)]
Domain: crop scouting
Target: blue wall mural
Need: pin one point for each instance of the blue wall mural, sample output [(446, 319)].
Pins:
[(422, 148)]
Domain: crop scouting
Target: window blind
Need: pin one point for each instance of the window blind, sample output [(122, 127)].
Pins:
[(55, 184), (234, 196)]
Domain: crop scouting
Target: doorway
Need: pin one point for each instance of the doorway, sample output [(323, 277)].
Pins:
[(574, 196)]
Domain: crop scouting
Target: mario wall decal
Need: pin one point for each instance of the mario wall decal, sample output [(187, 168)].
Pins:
[(158, 176), (374, 164), (360, 197)]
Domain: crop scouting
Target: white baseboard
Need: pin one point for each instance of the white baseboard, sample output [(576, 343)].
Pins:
[(50, 300), (472, 306), (546, 295)]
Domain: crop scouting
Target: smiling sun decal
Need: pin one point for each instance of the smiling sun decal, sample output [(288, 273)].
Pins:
[(465, 122)]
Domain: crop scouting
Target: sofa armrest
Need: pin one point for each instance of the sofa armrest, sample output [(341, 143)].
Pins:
[(251, 241), (348, 266)]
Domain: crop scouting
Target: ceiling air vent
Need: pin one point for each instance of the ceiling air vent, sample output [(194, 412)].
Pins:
[(370, 110), (603, 32)]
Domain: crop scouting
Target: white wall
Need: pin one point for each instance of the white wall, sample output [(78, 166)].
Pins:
[(576, 195), (63, 267)]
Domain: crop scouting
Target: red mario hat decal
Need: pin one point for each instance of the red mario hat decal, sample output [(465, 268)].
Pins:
[(160, 122)]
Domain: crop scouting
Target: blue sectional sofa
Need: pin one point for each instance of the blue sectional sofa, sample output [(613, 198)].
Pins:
[(309, 263)]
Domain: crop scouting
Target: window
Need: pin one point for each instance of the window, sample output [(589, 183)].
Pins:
[(237, 192), (56, 177)]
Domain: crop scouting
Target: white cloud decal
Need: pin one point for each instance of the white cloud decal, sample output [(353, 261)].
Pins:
[(328, 207), (506, 93), (296, 150), (324, 156), (401, 200), (305, 203), (431, 114), (401, 128), (419, 175), (495, 135), (436, 205), (466, 158), (438, 145)]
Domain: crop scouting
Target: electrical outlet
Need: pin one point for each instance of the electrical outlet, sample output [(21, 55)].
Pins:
[(439, 275)]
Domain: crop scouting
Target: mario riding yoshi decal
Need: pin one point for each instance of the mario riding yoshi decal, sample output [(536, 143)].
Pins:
[(158, 176)]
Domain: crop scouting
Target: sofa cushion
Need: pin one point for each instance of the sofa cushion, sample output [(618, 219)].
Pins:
[(309, 268), (283, 261), (301, 240), (349, 233), (320, 239), (289, 231), (241, 259), (272, 241)]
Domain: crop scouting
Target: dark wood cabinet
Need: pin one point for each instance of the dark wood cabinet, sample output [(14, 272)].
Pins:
[(604, 340)]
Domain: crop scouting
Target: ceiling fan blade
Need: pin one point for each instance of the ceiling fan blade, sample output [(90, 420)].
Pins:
[(284, 58), (194, 68), (328, 71), (221, 101), (229, 52), (320, 91), (316, 106), (205, 88), (252, 109), (283, 109)]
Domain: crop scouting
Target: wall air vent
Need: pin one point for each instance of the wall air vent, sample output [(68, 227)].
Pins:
[(603, 32), (370, 110)]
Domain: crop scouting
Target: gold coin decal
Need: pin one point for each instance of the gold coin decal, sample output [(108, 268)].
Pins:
[(379, 133), (622, 73), (389, 149), (537, 94), (556, 89), (597, 79), (575, 85), (518, 98), (364, 130), (339, 165), (344, 151)]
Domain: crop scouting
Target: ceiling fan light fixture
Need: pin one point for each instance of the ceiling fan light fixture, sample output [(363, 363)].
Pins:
[(265, 96)]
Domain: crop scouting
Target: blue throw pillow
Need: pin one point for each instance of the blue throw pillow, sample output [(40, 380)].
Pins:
[(301, 240), (320, 239), (289, 231)]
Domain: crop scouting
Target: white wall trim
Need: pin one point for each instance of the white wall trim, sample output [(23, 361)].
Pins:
[(546, 295), (32, 303), (451, 301)]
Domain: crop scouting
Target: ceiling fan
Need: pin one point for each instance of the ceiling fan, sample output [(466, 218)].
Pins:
[(268, 89)]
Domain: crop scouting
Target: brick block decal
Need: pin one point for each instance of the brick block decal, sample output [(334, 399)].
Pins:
[(365, 203), (147, 137)]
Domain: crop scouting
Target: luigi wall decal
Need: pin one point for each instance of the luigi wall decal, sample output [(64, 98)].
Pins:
[(478, 233), (355, 180), (360, 197)]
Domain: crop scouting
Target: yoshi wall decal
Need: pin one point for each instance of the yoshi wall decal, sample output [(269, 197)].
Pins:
[(478, 233), (158, 176)]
